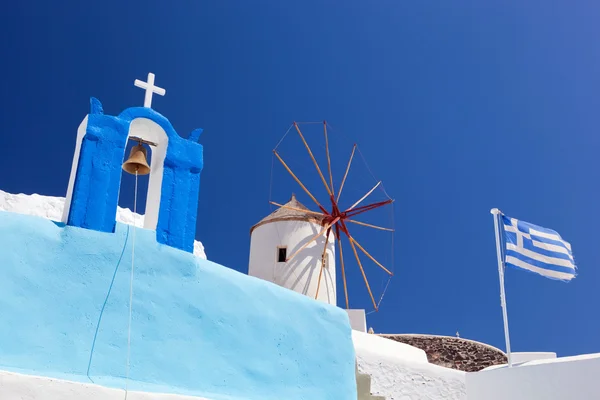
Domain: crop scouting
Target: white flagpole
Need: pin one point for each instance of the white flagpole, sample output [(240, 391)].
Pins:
[(497, 214)]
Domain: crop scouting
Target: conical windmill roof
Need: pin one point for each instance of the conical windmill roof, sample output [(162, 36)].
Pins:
[(287, 214)]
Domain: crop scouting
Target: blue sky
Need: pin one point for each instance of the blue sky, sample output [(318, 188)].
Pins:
[(457, 106)]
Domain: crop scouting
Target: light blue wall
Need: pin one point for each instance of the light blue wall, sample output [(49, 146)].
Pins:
[(98, 178), (198, 327)]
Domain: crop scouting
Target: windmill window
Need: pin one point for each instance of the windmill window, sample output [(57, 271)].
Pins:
[(326, 260), (281, 254)]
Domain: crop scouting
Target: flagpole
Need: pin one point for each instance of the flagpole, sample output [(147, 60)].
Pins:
[(496, 214)]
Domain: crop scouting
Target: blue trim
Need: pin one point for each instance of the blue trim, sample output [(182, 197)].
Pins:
[(96, 106), (195, 134), (98, 178)]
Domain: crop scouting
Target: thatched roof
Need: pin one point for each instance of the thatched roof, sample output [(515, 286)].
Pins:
[(286, 214)]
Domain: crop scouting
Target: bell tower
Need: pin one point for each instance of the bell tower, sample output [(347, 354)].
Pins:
[(98, 162)]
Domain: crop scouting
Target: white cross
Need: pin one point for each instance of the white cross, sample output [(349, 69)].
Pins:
[(150, 88), (520, 234)]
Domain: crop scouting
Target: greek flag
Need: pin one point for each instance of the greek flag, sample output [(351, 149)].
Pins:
[(538, 250)]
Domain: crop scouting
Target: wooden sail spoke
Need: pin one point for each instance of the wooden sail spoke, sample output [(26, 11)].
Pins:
[(313, 158), (299, 182), (364, 197), (337, 231), (305, 245), (328, 157), (298, 209), (322, 262), (369, 255), (369, 225), (362, 270), (346, 173)]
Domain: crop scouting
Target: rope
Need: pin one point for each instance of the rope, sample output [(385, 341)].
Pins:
[(131, 286), (384, 290), (271, 182), (371, 172), (361, 156), (286, 132), (110, 287)]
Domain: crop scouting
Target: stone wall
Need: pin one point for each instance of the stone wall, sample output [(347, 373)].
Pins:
[(451, 352)]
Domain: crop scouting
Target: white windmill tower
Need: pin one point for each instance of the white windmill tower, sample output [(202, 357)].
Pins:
[(295, 247), (283, 235)]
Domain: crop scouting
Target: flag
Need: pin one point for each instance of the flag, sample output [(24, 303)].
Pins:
[(538, 250)]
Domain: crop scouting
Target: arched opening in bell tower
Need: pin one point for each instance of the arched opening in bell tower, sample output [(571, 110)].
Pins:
[(154, 139)]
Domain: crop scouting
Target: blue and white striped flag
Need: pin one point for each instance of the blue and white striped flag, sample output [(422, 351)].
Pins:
[(538, 250)]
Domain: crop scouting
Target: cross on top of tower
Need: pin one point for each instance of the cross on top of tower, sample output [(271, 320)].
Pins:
[(150, 89)]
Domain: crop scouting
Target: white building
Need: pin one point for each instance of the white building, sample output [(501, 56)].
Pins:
[(278, 236)]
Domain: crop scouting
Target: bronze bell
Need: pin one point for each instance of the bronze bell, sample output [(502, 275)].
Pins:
[(137, 161)]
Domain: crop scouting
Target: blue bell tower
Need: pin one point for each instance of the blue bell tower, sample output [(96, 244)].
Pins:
[(174, 182)]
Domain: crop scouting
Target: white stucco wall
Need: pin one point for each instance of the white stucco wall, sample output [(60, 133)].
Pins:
[(522, 357), (52, 208), (27, 387), (78, 139), (401, 372), (301, 274), (358, 320), (567, 378)]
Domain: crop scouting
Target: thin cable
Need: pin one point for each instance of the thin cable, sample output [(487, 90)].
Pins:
[(393, 258), (281, 140), (394, 238), (131, 286), (384, 290), (361, 156), (347, 136), (371, 172), (110, 287), (271, 181)]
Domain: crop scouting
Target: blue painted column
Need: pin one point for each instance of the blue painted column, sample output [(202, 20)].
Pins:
[(98, 179)]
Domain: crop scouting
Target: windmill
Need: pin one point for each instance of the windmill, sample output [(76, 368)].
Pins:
[(336, 221)]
